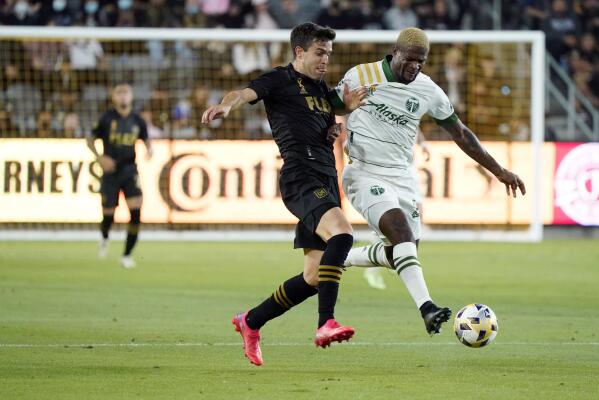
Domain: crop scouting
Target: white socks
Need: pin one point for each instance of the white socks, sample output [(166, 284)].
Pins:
[(367, 256), (406, 264)]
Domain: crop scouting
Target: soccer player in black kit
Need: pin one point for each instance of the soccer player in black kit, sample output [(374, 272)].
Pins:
[(301, 115), (119, 128)]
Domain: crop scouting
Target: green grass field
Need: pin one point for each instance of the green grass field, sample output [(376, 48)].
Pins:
[(74, 327)]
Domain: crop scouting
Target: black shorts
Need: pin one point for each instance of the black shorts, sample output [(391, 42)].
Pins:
[(308, 195), (125, 178)]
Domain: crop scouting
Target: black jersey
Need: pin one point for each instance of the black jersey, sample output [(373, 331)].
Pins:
[(300, 112), (119, 134)]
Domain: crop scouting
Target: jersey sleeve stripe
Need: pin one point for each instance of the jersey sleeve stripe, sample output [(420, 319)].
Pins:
[(361, 75), (377, 73), (368, 72)]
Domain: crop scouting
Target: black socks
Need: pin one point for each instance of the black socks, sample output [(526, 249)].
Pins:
[(291, 293), (329, 275)]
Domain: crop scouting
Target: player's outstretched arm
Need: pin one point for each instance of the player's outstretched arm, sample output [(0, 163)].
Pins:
[(231, 101), (468, 142)]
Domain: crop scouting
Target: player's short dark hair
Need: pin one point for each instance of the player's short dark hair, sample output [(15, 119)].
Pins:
[(307, 33)]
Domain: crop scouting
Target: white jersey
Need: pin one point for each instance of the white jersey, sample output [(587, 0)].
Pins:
[(382, 133)]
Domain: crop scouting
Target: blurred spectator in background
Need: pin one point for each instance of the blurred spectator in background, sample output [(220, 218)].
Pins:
[(71, 127), (154, 132), (44, 123), (585, 56), (193, 17), (440, 18), (201, 100), (182, 127), (401, 16), (286, 13), (74, 77), (370, 15), (232, 18), (455, 72), (484, 116), (125, 14), (535, 12), (87, 60), (593, 88), (13, 62), (561, 28), (157, 14), (160, 104), (23, 12), (334, 15), (585, 66), (588, 12), (61, 15), (352, 14), (216, 10), (250, 57), (90, 13), (259, 17), (7, 128)]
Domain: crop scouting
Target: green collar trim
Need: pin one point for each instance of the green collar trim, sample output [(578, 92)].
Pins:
[(387, 68)]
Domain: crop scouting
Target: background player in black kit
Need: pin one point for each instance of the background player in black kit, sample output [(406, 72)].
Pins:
[(302, 119), (119, 128)]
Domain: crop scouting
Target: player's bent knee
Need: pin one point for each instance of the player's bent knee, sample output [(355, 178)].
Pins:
[(394, 225), (311, 274), (134, 202), (108, 211), (333, 223), (311, 278), (312, 259)]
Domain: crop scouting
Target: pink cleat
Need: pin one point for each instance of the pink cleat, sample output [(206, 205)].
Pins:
[(331, 331), (251, 339)]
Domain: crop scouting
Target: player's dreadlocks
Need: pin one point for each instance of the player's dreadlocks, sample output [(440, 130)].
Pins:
[(412, 37)]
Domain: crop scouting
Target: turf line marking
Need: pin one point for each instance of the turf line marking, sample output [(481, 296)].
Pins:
[(199, 344)]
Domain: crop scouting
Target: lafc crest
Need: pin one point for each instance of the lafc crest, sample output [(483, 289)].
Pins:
[(320, 193), (301, 86)]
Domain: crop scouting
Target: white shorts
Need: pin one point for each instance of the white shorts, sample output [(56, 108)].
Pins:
[(373, 195)]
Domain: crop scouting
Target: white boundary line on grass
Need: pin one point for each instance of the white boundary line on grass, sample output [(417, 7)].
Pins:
[(224, 344)]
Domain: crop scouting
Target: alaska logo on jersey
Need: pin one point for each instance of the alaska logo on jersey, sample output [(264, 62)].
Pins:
[(412, 104), (385, 113)]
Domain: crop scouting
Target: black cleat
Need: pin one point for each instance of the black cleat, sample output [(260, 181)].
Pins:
[(434, 317)]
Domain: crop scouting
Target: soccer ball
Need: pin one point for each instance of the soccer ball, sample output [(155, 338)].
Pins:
[(475, 325)]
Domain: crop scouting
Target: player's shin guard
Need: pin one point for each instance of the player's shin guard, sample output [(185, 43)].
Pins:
[(291, 293), (132, 231), (329, 275), (367, 256), (407, 266), (105, 225)]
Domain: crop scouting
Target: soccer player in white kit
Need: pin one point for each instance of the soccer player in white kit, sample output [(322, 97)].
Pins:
[(378, 181)]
